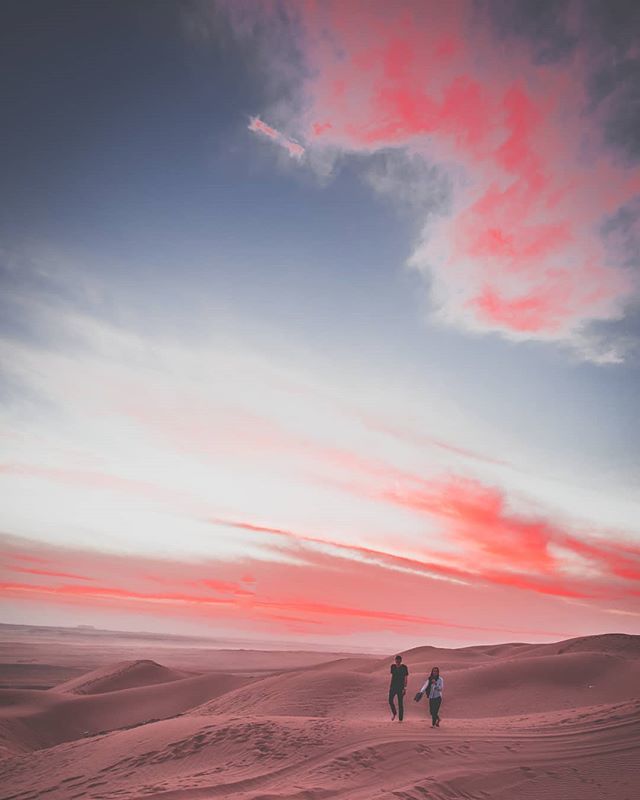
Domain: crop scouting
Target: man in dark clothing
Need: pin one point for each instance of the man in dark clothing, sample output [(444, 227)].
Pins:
[(398, 686)]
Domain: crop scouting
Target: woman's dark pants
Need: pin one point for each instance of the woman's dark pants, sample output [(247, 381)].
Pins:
[(434, 708), (400, 692)]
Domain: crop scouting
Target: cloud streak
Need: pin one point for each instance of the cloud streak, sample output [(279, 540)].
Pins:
[(300, 603), (261, 128), (506, 547), (488, 543)]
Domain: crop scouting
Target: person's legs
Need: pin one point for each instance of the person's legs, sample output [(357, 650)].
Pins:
[(400, 704), (392, 705), (435, 714)]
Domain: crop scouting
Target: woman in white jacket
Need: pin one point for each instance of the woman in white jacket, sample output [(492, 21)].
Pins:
[(433, 689)]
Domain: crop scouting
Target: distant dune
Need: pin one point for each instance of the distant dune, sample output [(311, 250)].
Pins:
[(520, 721), (124, 675)]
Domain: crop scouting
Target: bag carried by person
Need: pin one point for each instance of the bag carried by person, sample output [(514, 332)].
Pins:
[(418, 697)]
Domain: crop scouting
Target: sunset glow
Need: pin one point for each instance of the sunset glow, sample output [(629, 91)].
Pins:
[(323, 327)]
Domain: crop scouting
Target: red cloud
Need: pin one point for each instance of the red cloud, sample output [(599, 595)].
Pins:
[(477, 517), (620, 560), (460, 567), (504, 547)]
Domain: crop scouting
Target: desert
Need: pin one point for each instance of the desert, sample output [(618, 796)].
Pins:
[(188, 721)]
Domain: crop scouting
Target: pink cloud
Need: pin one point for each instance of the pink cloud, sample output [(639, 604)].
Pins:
[(491, 545), (334, 588), (486, 541), (29, 558), (619, 559), (49, 573), (476, 539), (520, 254), (226, 587), (418, 439), (382, 558), (259, 126), (502, 546), (294, 149), (94, 479), (304, 595)]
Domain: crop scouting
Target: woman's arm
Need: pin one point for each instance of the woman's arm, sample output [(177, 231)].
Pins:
[(424, 686)]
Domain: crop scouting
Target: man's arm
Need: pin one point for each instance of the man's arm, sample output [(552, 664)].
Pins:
[(406, 678)]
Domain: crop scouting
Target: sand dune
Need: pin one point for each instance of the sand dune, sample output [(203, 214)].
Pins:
[(529, 683), (63, 717), (520, 722), (124, 675)]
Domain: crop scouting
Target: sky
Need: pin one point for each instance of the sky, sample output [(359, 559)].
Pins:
[(320, 322)]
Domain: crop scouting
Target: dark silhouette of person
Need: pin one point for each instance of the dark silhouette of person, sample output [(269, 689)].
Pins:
[(433, 688), (398, 687)]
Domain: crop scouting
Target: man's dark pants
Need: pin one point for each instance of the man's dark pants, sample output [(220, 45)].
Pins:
[(434, 708), (393, 691)]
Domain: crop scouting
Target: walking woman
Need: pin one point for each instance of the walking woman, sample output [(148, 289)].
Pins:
[(433, 689)]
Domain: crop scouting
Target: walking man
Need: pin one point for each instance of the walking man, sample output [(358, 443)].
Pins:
[(398, 687)]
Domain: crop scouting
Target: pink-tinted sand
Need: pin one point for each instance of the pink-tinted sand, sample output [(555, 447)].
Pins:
[(519, 722)]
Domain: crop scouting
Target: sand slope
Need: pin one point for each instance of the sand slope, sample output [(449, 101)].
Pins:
[(520, 722)]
